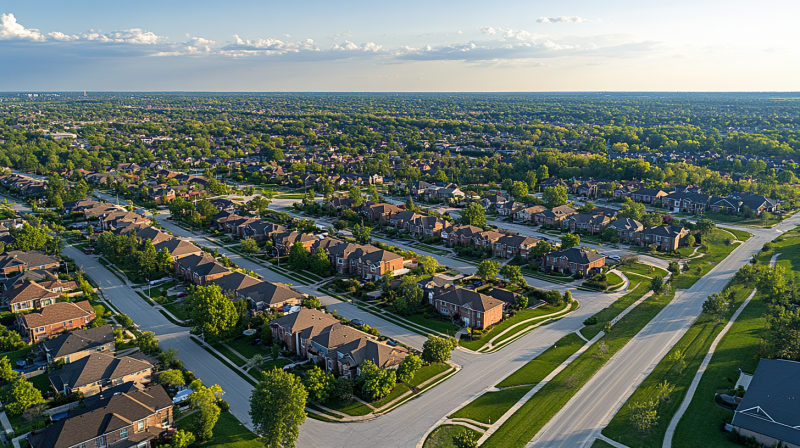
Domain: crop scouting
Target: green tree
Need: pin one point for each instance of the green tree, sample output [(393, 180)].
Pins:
[(147, 343), (674, 267), (587, 207), (521, 302), (772, 283), (555, 196), (212, 311), (690, 240), (376, 383), (632, 210), (312, 303), (474, 215), (250, 246), (355, 196), (204, 401), (542, 173), (30, 238), (21, 396), (408, 367), (519, 190), (705, 226), (319, 263), (569, 241), (277, 408), (361, 233), (181, 439), (437, 349), (7, 373), (164, 260), (428, 264), (657, 284), (464, 439), (541, 249), (147, 259), (643, 415), (716, 306), (411, 297), (487, 269), (171, 378), (319, 384), (298, 257), (513, 274)]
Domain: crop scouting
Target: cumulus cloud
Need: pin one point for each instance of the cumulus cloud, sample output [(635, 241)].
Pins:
[(11, 30), (131, 36), (562, 19), (509, 33)]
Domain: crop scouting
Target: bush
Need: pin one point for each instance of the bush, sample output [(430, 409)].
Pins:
[(590, 321), (224, 406)]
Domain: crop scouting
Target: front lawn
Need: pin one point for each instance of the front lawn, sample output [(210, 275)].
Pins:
[(243, 347), (228, 433), (177, 310), (538, 368), (521, 315), (441, 326), (642, 269), (610, 312), (613, 279), (442, 437), (490, 406)]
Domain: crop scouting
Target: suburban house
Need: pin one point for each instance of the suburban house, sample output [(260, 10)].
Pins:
[(486, 238), (128, 418), (459, 235), (554, 216), (29, 296), (626, 229), (262, 230), (268, 295), (588, 222), (509, 298), (417, 188), (476, 310), (18, 261), (759, 204), (78, 344), (367, 261), (666, 238), (508, 208), (235, 281), (155, 236), (509, 246), (321, 337), (493, 201), (726, 206), (768, 411), (98, 371), (686, 202), (178, 248), (527, 214), (285, 240), (53, 319), (425, 225), (575, 260), (648, 195), (200, 269), (339, 203), (381, 212)]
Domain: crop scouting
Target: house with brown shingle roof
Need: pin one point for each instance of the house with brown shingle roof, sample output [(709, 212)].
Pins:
[(200, 269), (18, 261), (94, 373), (269, 295), (29, 296), (178, 248), (476, 310), (53, 319), (77, 344)]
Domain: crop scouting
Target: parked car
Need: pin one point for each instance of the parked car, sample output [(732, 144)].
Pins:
[(358, 322), (22, 362), (181, 294)]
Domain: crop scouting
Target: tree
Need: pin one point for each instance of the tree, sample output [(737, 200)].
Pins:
[(674, 267), (569, 241), (680, 361), (147, 258), (212, 311), (408, 367), (277, 408), (312, 302), (411, 297), (521, 301), (181, 439), (643, 415), (587, 207), (513, 274), (30, 238), (147, 343), (437, 349), (343, 390), (705, 226), (204, 400), (428, 264), (716, 305), (632, 210), (567, 297), (690, 240), (10, 340), (250, 246), (376, 383), (657, 284), (355, 196), (171, 378), (319, 384), (518, 190), (464, 439), (7, 373), (555, 196), (542, 172), (487, 269), (474, 215), (361, 233), (298, 257), (319, 263), (541, 249), (21, 396), (772, 283)]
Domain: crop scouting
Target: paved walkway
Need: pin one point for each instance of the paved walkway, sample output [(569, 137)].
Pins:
[(687, 400), (6, 424)]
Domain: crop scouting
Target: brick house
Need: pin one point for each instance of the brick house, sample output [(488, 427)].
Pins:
[(77, 344), (339, 203), (589, 222), (285, 240), (527, 214), (554, 216), (402, 219), (726, 206), (267, 295), (120, 417), (509, 246), (92, 374), (319, 336), (486, 238), (459, 235), (178, 248), (476, 310), (367, 261), (686, 202), (200, 269), (575, 260), (53, 319), (18, 261), (626, 229), (381, 212), (666, 238), (262, 230), (29, 296), (648, 195), (425, 225)]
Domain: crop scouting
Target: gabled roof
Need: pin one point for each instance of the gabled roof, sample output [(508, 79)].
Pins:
[(270, 293), (577, 255), (30, 259), (517, 240), (626, 224), (235, 281), (78, 341), (468, 299), (308, 323), (668, 231), (28, 292), (96, 367), (57, 313), (202, 265), (154, 235), (178, 247)]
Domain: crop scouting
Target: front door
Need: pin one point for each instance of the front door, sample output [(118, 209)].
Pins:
[(466, 321)]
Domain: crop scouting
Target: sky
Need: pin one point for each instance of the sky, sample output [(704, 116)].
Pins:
[(402, 46)]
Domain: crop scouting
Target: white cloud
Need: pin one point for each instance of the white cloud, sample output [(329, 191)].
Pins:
[(131, 36), (11, 30), (487, 30), (350, 46), (562, 19), (59, 36)]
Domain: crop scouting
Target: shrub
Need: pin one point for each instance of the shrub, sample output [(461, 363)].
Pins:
[(590, 321)]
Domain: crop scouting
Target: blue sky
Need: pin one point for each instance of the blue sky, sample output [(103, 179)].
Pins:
[(429, 45)]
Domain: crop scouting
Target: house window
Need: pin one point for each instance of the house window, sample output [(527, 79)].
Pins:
[(123, 434), (140, 425)]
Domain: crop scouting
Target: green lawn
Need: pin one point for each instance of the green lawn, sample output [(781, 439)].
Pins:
[(230, 355), (601, 444), (442, 437), (228, 433), (541, 366), (243, 346), (642, 269), (610, 312), (694, 345), (699, 267), (177, 310), (15, 355), (442, 326), (613, 279), (523, 425), (428, 372), (522, 328), (354, 408), (519, 317), (741, 235), (490, 406), (41, 382)]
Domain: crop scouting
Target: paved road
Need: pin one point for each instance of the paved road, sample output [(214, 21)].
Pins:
[(581, 420)]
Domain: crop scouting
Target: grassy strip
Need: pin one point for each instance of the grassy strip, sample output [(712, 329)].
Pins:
[(500, 341), (354, 408), (230, 355), (223, 361), (146, 299), (538, 368), (610, 312), (228, 433), (490, 406), (693, 345), (547, 278), (169, 318), (601, 444), (741, 235), (502, 326), (642, 269), (442, 437), (518, 430)]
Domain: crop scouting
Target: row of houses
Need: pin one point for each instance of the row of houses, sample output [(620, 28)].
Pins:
[(24, 185), (691, 200)]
